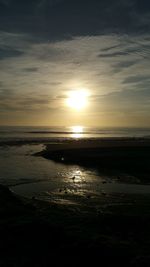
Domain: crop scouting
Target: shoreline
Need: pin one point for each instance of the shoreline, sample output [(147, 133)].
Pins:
[(66, 140), (128, 155), (101, 228)]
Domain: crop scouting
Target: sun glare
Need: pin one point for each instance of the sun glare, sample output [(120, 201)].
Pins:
[(77, 99), (77, 129)]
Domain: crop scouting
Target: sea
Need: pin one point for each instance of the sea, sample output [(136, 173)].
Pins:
[(37, 177), (9, 133)]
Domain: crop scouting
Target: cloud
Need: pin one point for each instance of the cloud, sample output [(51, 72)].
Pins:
[(136, 94), (40, 78), (31, 69), (57, 20), (137, 79), (1, 85), (141, 51), (48, 47), (50, 52), (113, 54), (118, 67), (107, 49), (5, 2), (12, 101), (7, 52), (4, 93), (127, 101)]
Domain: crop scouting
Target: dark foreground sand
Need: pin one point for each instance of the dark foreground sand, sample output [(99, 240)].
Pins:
[(35, 233), (111, 231)]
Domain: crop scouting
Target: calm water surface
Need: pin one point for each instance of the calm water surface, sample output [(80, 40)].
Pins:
[(32, 176), (50, 133)]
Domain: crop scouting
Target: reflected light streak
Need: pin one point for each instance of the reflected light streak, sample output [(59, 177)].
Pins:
[(77, 131), (77, 135)]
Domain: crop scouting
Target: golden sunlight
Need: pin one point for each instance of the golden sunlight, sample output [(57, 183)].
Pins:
[(77, 131), (77, 99)]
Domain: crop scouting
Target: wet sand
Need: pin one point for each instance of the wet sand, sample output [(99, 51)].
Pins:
[(108, 229), (129, 155), (38, 233)]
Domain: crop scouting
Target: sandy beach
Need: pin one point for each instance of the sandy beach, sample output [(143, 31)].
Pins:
[(38, 233), (131, 155), (93, 227)]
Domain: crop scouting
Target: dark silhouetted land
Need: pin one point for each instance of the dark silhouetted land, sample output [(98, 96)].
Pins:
[(129, 155), (36, 233), (112, 230)]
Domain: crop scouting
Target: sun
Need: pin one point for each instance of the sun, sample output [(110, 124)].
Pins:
[(77, 99)]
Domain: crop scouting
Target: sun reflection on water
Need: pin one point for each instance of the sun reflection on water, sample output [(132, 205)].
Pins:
[(77, 131)]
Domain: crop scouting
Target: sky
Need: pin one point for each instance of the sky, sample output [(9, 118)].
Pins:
[(51, 47)]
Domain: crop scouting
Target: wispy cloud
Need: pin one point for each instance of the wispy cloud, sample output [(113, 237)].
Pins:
[(7, 52), (137, 79), (31, 69), (48, 47)]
